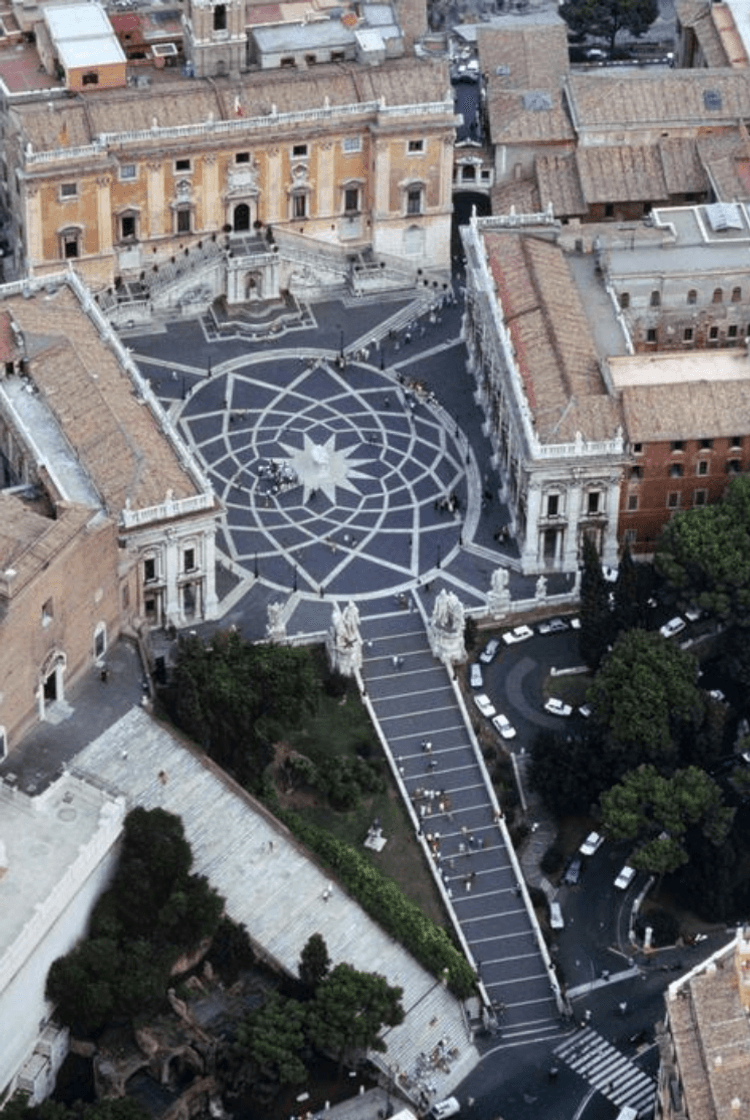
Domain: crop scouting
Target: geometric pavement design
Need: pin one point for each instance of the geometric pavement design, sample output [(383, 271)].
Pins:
[(332, 480), (608, 1070)]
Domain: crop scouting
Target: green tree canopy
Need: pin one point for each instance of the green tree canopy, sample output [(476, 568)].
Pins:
[(314, 961), (604, 19), (273, 1037), (350, 1009), (231, 697), (596, 618), (704, 553), (658, 811), (645, 694), (120, 1108)]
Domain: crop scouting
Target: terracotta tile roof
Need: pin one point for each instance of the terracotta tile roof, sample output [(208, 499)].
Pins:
[(683, 171), (117, 439), (726, 160), (558, 183), (9, 349), (626, 174), (182, 102), (554, 348), (28, 541), (535, 56), (697, 15), (519, 194), (658, 99), (656, 413), (511, 122)]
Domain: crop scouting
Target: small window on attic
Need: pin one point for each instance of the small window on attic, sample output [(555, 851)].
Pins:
[(537, 101), (712, 99)]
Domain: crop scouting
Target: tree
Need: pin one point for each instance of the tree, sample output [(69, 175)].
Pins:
[(314, 961), (350, 1009), (704, 554), (596, 618), (657, 811), (273, 1036), (645, 695), (234, 698), (604, 19), (629, 595), (570, 771), (120, 1108)]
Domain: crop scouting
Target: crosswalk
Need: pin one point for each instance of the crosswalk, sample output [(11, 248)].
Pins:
[(615, 1076)]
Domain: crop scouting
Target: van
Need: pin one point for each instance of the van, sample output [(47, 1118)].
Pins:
[(556, 920), (441, 1110)]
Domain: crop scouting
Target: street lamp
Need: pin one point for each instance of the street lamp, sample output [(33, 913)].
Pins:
[(255, 566)]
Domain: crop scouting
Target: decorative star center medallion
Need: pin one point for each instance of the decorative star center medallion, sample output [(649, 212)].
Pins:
[(321, 466)]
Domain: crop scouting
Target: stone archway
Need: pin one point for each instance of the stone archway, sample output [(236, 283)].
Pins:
[(51, 688)]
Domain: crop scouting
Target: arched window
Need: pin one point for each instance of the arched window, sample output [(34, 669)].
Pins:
[(692, 296), (736, 295), (718, 295), (241, 219)]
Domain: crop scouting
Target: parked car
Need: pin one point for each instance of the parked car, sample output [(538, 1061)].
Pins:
[(573, 871), (625, 878), (489, 653), (591, 844), (585, 710), (485, 705), (717, 694), (555, 916), (557, 707), (441, 1110), (503, 726), (675, 626), (520, 634), (692, 614), (552, 626), (475, 675), (574, 622)]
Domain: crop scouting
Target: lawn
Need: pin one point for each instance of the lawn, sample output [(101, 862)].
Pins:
[(344, 730)]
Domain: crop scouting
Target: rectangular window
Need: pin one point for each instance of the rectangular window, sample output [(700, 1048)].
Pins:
[(183, 220), (311, 59), (299, 151), (182, 165), (553, 501), (687, 334), (68, 190), (149, 569), (241, 157), (703, 467), (624, 300), (637, 448), (732, 330), (594, 497), (70, 245), (127, 227), (630, 537), (651, 334), (706, 444), (351, 200), (673, 500), (736, 441), (189, 560), (733, 466), (416, 147), (299, 206), (414, 201), (351, 144), (713, 333), (700, 497), (675, 471), (636, 472), (288, 62), (678, 445), (632, 503), (128, 171)]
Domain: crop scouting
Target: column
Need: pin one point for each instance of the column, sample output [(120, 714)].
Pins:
[(531, 547), (33, 225), (211, 217), (155, 199), (609, 545), (104, 213), (573, 494), (210, 600), (172, 606), (274, 193), (382, 185), (325, 187)]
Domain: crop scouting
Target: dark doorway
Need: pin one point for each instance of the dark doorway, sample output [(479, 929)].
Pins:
[(50, 687), (463, 202), (241, 218)]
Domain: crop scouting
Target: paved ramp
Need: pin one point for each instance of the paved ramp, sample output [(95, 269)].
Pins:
[(423, 723)]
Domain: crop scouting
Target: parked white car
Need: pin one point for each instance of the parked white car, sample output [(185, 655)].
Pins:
[(475, 675), (625, 878), (555, 916), (485, 705), (441, 1110), (520, 634), (675, 626), (503, 726), (591, 844), (489, 653), (557, 707)]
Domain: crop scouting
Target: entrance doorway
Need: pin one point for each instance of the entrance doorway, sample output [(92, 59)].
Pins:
[(50, 688), (241, 220)]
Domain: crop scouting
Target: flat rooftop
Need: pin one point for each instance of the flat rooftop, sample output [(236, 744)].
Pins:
[(676, 368), (42, 838)]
